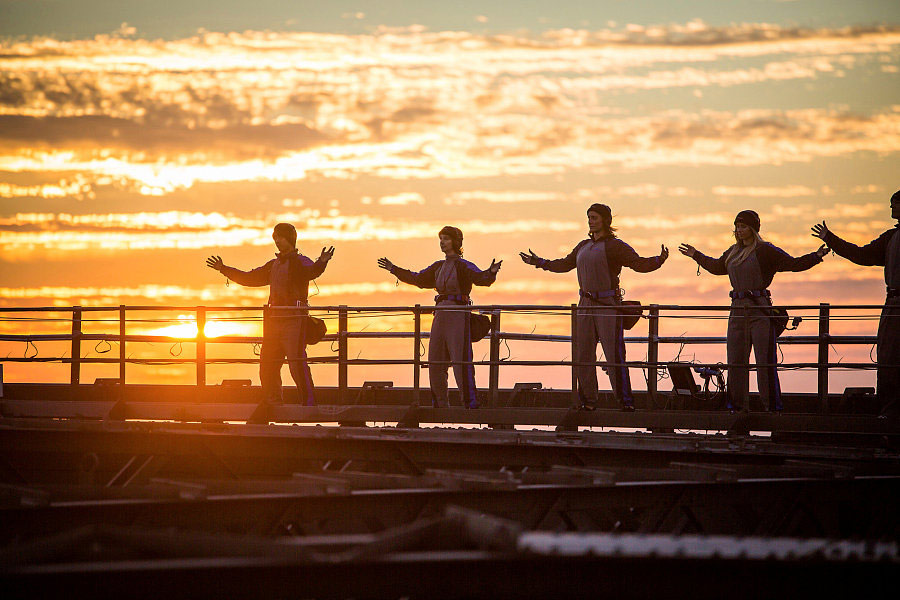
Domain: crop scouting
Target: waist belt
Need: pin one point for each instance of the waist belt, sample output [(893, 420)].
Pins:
[(749, 294), (460, 298), (893, 292), (598, 295)]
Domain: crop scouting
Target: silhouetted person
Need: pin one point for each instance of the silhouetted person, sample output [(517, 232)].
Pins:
[(751, 264), (599, 261), (882, 252), (288, 276), (451, 338)]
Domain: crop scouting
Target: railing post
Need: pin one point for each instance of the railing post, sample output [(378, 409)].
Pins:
[(576, 402), (342, 354), (75, 376), (653, 356), (824, 337), (201, 346), (494, 378), (417, 357), (122, 347)]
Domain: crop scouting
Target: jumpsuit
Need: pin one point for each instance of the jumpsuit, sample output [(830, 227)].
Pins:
[(598, 265), (288, 277), (451, 338), (883, 251), (750, 326)]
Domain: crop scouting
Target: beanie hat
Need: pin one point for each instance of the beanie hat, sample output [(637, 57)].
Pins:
[(748, 218), (286, 230)]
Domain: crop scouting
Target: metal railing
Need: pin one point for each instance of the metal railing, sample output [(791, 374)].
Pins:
[(341, 313)]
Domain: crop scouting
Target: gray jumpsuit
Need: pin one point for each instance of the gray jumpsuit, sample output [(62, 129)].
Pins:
[(451, 338), (884, 251), (750, 327), (288, 277), (598, 265)]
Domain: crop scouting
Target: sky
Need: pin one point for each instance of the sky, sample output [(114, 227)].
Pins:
[(136, 139)]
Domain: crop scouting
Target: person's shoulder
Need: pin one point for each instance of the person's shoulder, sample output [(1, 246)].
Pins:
[(581, 244), (303, 259), (617, 243)]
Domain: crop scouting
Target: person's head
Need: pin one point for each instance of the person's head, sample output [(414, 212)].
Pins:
[(599, 217), (746, 236), (746, 228), (285, 237), (451, 239), (895, 205)]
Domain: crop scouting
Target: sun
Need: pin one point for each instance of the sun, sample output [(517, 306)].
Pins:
[(186, 328)]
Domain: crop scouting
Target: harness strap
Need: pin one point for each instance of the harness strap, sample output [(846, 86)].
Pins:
[(598, 295), (460, 298), (735, 295)]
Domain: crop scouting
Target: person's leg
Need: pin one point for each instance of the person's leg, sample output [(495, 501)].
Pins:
[(294, 342), (437, 351), (271, 357), (586, 352), (765, 351), (612, 339), (459, 345), (888, 358), (738, 354)]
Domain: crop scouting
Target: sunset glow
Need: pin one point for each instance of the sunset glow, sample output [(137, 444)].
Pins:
[(130, 153)]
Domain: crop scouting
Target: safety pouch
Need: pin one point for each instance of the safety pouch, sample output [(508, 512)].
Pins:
[(479, 326), (631, 311), (315, 330), (780, 319)]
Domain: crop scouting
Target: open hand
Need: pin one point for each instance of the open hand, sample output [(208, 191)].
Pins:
[(495, 266), (215, 262), (531, 258), (820, 230), (663, 254), (385, 264), (687, 250), (326, 255)]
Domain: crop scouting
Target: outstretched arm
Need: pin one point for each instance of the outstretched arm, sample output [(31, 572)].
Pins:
[(423, 279), (313, 270), (559, 265), (255, 278), (626, 256), (781, 261), (479, 277), (872, 254), (716, 266)]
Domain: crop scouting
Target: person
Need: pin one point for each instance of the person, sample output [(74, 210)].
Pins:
[(288, 276), (751, 264), (883, 252), (450, 340), (599, 261)]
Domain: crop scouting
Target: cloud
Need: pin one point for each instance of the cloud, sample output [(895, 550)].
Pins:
[(476, 149), (88, 134), (789, 191), (402, 199), (27, 236), (156, 116), (78, 187), (504, 197)]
